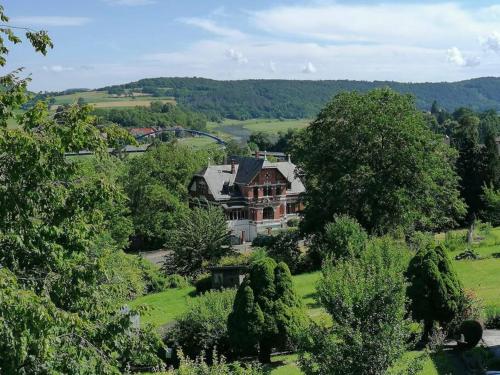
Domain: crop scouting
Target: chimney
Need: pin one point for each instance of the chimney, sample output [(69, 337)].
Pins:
[(288, 157), (233, 166), (257, 154)]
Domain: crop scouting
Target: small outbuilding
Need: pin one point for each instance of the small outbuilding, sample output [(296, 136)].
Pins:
[(228, 276)]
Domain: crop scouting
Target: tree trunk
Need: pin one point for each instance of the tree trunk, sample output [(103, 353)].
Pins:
[(264, 351)]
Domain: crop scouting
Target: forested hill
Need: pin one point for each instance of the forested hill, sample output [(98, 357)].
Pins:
[(300, 99)]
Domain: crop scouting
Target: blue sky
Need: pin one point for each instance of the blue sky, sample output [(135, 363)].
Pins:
[(102, 42)]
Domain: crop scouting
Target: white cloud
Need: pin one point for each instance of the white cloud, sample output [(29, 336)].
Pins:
[(130, 2), (49, 21), (455, 56), (212, 27), (272, 66), (437, 25), (309, 68), (236, 56), (491, 42), (57, 68)]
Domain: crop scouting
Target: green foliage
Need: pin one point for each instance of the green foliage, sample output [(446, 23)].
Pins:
[(246, 99), (435, 292), (156, 185), (284, 247), (267, 313), (372, 156), (202, 328), (219, 366), (199, 238), (63, 278), (158, 115), (366, 300), (491, 202), (341, 239), (155, 279)]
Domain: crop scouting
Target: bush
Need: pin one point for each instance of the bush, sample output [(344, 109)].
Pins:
[(177, 281), (492, 320), (293, 222), (340, 239), (366, 299), (454, 241), (219, 366), (262, 240), (153, 276), (472, 333), (203, 327), (203, 283), (285, 248), (435, 292)]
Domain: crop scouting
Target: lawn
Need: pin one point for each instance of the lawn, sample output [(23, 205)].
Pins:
[(241, 130)]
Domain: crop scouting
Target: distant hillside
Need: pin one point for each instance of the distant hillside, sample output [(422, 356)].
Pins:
[(247, 99)]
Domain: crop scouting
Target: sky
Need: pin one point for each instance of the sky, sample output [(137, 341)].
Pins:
[(103, 42)]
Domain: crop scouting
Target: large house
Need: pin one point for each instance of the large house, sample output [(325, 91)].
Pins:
[(257, 195)]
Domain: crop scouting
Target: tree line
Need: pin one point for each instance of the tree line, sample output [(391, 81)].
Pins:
[(246, 99)]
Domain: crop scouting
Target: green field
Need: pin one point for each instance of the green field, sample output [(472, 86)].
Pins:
[(101, 99), (241, 130)]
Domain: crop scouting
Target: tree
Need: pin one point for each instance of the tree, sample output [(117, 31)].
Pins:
[(203, 327), (492, 158), (199, 238), (372, 156), (341, 239), (262, 140), (156, 185), (491, 203), (366, 300), (267, 312), (434, 291), (284, 247), (470, 163), (60, 305)]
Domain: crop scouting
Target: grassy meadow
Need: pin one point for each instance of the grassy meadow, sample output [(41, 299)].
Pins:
[(101, 99)]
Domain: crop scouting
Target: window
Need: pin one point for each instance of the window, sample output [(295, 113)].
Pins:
[(256, 192), (238, 214), (268, 213), (278, 190), (268, 191), (290, 208)]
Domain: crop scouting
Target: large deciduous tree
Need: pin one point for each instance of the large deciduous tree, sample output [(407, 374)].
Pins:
[(59, 302), (373, 157), (156, 185), (267, 312)]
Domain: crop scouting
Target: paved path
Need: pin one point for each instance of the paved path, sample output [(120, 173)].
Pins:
[(491, 338), (156, 256)]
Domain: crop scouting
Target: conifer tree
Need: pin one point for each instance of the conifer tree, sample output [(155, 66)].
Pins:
[(267, 313)]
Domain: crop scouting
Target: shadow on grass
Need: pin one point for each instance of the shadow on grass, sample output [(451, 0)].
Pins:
[(495, 255), (314, 304), (447, 362)]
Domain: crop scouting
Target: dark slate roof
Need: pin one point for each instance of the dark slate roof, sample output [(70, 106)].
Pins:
[(247, 169)]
